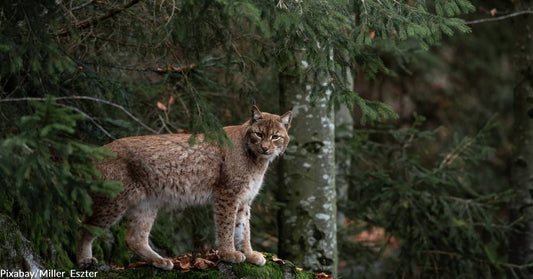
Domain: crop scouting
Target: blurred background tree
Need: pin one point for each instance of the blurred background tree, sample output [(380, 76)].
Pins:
[(425, 195)]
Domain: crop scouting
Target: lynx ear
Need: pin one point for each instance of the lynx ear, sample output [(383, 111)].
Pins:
[(256, 114), (286, 119)]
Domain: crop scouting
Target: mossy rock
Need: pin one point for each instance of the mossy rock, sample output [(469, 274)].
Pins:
[(16, 252), (271, 270)]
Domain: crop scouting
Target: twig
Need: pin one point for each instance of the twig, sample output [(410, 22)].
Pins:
[(482, 20), (107, 133), (82, 5), (83, 98), (90, 22)]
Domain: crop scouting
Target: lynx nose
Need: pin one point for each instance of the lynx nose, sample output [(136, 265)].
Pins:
[(264, 149)]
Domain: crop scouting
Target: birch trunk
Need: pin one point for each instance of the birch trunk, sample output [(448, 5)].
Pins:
[(308, 218)]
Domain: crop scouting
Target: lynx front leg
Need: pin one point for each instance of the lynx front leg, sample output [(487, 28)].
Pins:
[(225, 213), (141, 219), (242, 236)]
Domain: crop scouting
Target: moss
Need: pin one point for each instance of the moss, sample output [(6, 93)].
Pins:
[(271, 270), (154, 273), (10, 242), (252, 271)]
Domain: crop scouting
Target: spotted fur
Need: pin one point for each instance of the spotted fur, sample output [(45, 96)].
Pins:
[(164, 171)]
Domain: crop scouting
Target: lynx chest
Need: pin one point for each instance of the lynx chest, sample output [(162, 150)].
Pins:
[(253, 187)]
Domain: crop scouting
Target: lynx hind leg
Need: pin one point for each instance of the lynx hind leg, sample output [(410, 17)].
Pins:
[(103, 217), (141, 218), (84, 254)]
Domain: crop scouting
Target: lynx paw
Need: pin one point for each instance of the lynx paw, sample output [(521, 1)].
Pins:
[(256, 258), (163, 263), (88, 263), (232, 257)]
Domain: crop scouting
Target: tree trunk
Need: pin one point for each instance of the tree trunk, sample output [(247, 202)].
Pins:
[(521, 243), (308, 218), (344, 125)]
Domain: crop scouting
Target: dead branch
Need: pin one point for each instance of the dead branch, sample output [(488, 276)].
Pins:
[(92, 21), (482, 20)]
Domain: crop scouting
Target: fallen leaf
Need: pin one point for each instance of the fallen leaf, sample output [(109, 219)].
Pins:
[(322, 275), (185, 263), (171, 100), (201, 263), (299, 269), (116, 267), (137, 264), (277, 260), (372, 35), (213, 256), (161, 106), (493, 12)]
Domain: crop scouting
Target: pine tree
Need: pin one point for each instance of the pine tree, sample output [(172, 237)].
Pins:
[(437, 225)]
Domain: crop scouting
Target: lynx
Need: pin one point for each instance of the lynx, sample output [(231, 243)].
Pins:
[(165, 171)]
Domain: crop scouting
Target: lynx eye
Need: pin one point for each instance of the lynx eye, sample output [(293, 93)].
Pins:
[(275, 137), (259, 135)]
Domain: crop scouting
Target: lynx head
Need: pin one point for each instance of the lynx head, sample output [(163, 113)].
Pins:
[(267, 135)]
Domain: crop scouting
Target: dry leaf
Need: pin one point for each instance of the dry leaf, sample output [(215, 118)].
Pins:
[(201, 263), (171, 100), (161, 106), (116, 267), (493, 12), (372, 35), (299, 269), (137, 264), (322, 275), (185, 263), (277, 260), (213, 256)]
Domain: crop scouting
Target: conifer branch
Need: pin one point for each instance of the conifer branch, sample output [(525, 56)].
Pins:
[(169, 68), (113, 105), (92, 21), (498, 18)]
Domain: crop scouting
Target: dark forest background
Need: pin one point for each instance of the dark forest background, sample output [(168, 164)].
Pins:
[(411, 150)]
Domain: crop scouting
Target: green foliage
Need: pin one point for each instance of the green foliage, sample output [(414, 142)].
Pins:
[(212, 57), (445, 228), (47, 176)]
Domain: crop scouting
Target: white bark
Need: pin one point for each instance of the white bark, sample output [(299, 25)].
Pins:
[(308, 228)]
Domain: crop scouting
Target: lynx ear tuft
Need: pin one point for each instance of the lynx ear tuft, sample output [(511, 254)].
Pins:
[(286, 119), (256, 114)]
